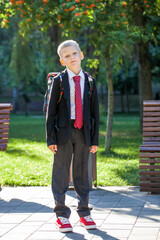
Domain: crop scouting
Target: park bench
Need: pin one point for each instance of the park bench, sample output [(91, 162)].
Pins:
[(5, 109), (150, 149)]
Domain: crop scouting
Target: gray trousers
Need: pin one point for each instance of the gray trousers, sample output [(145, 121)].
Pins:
[(61, 171)]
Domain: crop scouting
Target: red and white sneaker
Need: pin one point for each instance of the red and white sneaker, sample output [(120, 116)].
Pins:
[(87, 222), (64, 225)]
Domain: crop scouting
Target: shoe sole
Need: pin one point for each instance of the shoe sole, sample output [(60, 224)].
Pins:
[(63, 230), (88, 227)]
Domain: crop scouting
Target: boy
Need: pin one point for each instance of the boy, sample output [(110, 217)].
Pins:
[(72, 128)]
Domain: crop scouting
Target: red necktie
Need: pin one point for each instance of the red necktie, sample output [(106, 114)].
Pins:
[(78, 104)]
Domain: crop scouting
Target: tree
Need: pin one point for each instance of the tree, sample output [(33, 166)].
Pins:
[(29, 13), (144, 15)]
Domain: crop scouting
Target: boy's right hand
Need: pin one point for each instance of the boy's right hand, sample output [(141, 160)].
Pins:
[(53, 148)]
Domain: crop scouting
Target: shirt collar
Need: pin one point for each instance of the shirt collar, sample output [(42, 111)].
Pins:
[(71, 74)]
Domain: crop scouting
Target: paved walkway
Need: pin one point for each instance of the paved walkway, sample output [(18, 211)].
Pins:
[(121, 213)]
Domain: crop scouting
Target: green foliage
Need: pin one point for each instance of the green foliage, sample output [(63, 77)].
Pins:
[(30, 14), (92, 63), (102, 18), (113, 20), (116, 22), (97, 23), (5, 50), (45, 60), (5, 55), (21, 62), (29, 59)]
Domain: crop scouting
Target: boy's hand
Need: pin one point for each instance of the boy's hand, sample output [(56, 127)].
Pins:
[(93, 149), (53, 148)]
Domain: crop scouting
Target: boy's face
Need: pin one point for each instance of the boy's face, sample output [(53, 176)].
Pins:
[(71, 58)]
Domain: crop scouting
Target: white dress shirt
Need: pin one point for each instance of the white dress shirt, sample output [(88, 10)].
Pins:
[(72, 89)]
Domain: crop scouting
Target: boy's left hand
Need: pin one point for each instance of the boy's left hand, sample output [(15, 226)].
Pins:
[(93, 149)]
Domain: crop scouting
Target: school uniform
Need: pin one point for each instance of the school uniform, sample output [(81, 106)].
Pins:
[(71, 141)]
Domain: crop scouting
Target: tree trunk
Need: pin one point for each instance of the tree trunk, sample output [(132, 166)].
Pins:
[(54, 35), (15, 99), (127, 98), (122, 104), (144, 71), (110, 104)]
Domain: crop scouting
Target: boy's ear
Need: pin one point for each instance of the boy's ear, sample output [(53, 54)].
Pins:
[(82, 55), (62, 63)]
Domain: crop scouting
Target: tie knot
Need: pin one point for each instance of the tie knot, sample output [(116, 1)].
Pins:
[(76, 78)]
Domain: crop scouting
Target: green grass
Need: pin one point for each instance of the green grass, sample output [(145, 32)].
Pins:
[(28, 161)]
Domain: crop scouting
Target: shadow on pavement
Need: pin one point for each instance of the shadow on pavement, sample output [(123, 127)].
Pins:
[(19, 206), (97, 233)]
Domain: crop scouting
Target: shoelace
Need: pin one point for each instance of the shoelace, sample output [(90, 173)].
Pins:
[(64, 220), (88, 218)]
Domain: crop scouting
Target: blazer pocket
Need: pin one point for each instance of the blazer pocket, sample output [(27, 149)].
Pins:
[(56, 127)]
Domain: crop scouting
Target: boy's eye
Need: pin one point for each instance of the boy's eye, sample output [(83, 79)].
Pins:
[(68, 55)]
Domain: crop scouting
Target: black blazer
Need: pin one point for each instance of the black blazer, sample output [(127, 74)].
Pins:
[(58, 123)]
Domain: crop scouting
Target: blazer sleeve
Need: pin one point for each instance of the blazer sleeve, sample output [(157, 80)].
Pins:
[(52, 112), (95, 115)]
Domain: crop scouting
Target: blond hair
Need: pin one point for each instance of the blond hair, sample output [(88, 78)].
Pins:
[(67, 43)]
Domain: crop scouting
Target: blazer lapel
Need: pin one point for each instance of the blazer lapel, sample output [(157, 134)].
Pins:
[(86, 91), (65, 84)]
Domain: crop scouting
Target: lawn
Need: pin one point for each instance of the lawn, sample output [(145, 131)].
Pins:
[(120, 167), (28, 161)]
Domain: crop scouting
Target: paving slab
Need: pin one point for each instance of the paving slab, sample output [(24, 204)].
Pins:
[(121, 213)]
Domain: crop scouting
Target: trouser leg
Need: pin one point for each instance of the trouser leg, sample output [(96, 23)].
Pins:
[(80, 172), (60, 178)]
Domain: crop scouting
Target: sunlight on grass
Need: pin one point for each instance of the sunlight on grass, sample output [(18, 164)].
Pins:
[(28, 161), (121, 165)]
